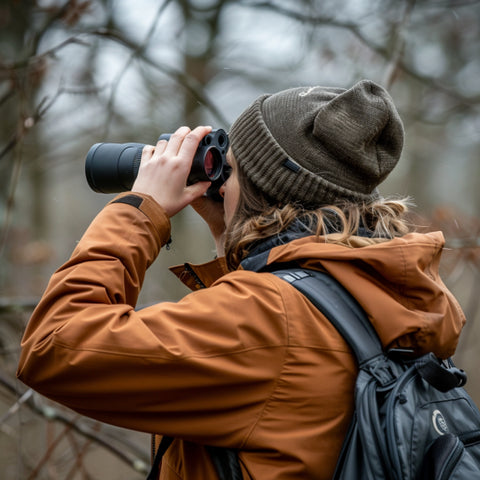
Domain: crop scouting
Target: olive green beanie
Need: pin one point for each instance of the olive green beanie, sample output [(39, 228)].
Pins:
[(317, 145)]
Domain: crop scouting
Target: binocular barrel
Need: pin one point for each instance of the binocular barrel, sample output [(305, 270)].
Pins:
[(113, 167)]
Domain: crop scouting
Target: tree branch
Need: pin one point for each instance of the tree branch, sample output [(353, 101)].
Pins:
[(398, 45), (140, 49), (52, 414), (355, 30), (193, 87)]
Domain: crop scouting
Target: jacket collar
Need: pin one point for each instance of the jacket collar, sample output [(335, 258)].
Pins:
[(196, 277), (257, 259)]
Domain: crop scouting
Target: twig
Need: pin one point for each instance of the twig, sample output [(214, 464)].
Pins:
[(14, 408), (398, 45), (9, 305), (17, 164), (80, 452), (24, 126), (24, 63), (138, 50), (53, 414), (380, 50), (8, 94), (193, 87), (51, 448)]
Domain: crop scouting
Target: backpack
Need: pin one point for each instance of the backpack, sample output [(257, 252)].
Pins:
[(412, 418)]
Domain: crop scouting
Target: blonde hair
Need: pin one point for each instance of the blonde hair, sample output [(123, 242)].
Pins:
[(257, 218)]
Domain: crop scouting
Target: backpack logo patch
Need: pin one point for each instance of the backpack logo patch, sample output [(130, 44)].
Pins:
[(439, 422)]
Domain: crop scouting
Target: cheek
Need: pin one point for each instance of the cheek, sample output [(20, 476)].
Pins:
[(231, 198), (235, 192)]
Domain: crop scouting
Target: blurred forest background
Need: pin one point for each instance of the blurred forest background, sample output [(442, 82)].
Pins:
[(73, 73)]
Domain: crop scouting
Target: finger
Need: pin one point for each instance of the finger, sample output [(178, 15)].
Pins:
[(196, 190), (147, 153), (176, 140), (204, 205), (160, 147), (192, 140)]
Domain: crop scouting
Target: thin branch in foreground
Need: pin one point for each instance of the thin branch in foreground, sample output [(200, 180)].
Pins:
[(50, 450), (53, 414), (16, 406)]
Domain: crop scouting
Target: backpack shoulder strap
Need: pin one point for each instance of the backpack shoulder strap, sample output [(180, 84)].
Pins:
[(345, 314), (339, 307)]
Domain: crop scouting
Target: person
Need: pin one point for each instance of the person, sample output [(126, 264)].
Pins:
[(245, 361)]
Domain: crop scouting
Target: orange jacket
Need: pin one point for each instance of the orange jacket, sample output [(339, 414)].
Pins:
[(247, 363)]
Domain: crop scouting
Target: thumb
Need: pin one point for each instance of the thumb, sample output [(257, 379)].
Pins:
[(197, 190)]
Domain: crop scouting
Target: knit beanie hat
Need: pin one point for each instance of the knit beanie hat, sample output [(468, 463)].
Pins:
[(318, 145)]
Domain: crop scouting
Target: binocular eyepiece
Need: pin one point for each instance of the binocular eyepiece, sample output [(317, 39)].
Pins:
[(113, 167)]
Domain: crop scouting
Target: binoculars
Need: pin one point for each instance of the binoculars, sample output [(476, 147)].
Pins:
[(113, 167)]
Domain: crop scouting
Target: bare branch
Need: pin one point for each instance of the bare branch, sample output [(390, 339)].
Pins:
[(8, 94), (8, 305), (50, 450), (355, 30), (14, 408), (189, 84), (398, 45), (12, 189), (26, 62), (140, 49), (24, 126), (80, 452), (78, 426)]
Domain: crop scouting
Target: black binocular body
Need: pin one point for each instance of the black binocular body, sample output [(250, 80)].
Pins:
[(113, 167)]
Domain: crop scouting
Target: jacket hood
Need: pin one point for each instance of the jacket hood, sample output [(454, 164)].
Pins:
[(396, 281)]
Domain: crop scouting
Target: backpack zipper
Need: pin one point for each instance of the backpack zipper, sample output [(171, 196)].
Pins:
[(452, 460), (390, 428)]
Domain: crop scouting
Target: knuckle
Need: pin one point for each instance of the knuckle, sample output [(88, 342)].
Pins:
[(180, 133), (175, 136), (193, 137)]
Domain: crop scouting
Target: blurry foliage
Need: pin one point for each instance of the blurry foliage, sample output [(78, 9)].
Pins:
[(73, 73)]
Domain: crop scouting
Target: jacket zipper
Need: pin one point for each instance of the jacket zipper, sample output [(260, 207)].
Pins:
[(153, 449), (190, 270)]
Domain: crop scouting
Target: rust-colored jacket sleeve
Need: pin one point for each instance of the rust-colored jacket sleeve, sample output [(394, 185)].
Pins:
[(171, 368)]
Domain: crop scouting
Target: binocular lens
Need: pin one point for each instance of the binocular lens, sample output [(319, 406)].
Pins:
[(211, 165)]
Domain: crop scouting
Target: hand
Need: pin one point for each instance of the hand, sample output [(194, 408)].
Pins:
[(213, 213), (164, 170)]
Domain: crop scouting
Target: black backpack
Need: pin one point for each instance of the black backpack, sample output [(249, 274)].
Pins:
[(412, 420)]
